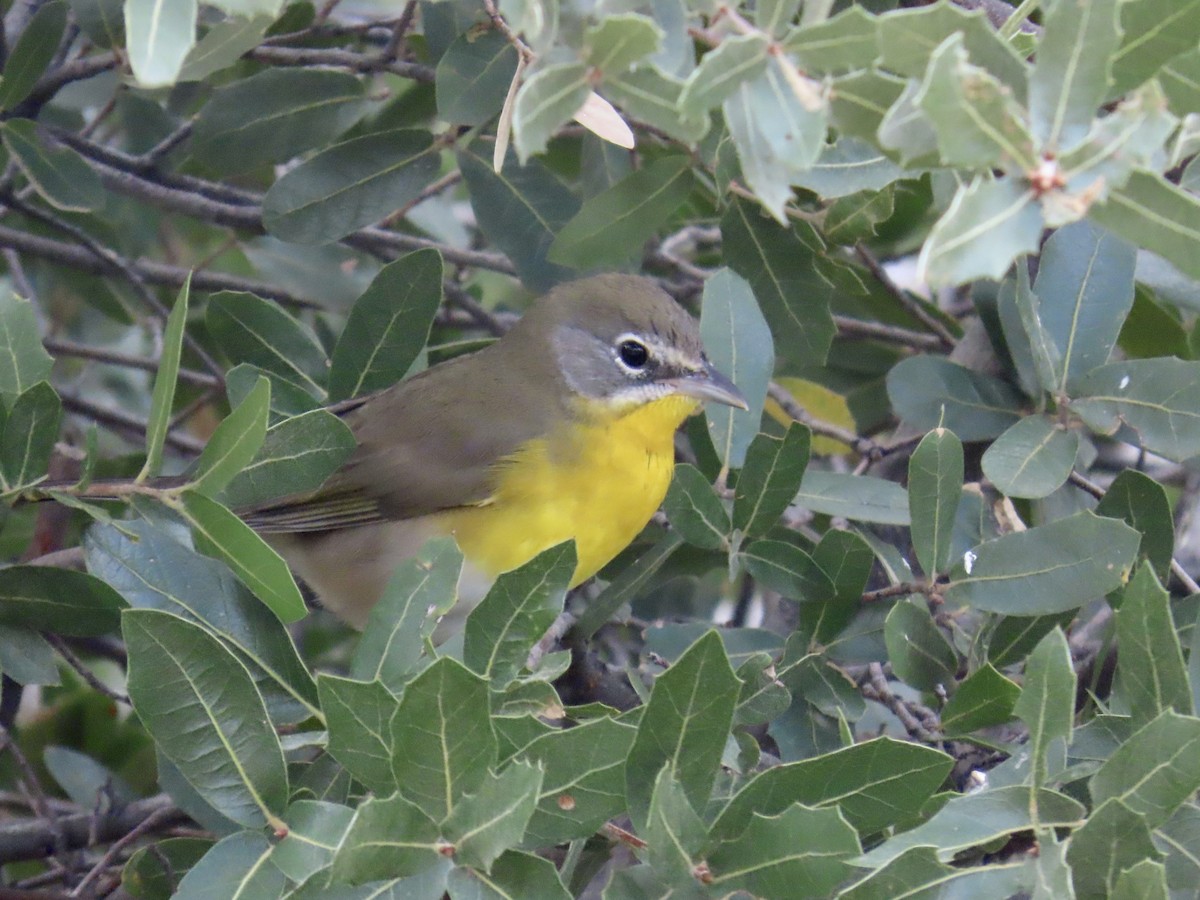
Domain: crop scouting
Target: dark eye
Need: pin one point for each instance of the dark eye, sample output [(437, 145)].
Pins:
[(633, 353)]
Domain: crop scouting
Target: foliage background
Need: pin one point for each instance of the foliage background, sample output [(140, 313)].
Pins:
[(956, 241)]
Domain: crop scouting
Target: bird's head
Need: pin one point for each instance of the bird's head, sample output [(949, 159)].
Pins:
[(621, 341)]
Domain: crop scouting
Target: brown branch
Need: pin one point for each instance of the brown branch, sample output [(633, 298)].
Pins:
[(61, 347), (83, 671), (126, 424), (920, 722), (340, 59), (156, 819), (27, 839)]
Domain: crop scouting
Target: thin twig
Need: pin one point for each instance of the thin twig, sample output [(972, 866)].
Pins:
[(864, 446), (83, 671), (147, 825), (910, 304), (38, 798), (920, 723), (127, 424), (62, 347)]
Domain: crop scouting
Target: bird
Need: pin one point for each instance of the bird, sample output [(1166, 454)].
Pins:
[(562, 429)]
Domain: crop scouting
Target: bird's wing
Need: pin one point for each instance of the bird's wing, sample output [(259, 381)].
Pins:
[(427, 445)]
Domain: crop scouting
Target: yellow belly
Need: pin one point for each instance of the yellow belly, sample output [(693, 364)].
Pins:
[(598, 483)]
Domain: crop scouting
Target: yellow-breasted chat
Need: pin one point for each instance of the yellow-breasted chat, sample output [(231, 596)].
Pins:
[(563, 429)]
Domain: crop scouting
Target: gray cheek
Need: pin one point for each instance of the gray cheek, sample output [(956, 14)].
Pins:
[(588, 365)]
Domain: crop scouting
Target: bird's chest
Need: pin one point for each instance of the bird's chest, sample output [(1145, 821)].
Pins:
[(597, 483)]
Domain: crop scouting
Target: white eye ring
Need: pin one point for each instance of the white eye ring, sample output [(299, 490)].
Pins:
[(632, 353)]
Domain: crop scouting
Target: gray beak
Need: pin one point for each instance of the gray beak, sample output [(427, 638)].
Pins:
[(710, 385)]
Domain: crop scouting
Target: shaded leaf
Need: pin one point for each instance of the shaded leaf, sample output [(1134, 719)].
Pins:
[(1031, 459), (694, 510), (770, 478), (1142, 503), (931, 392), (1153, 213), (545, 103), (1154, 771), (58, 600), (358, 715), (985, 698), (32, 53), (493, 819), (739, 345), (23, 360), (1152, 673), (1047, 701), (935, 478), (58, 173), (473, 76), (919, 653), (1113, 838), (388, 326), (29, 433), (249, 329), (234, 443), (860, 498), (349, 185), (163, 397)]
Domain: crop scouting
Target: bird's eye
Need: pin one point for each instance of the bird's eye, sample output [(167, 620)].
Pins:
[(633, 353)]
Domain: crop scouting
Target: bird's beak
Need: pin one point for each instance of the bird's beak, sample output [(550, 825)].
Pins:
[(710, 385)]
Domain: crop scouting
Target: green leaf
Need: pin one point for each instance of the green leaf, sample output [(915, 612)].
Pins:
[(201, 706), (1145, 881), (780, 269), (388, 326), (27, 442), (163, 398), (855, 217), (1153, 213), (1153, 32), (1152, 675), (249, 329), (235, 442), (737, 60), (58, 600), (358, 715), (970, 820), (223, 45), (800, 852), (844, 42), (859, 102), (907, 39), (1035, 353), (874, 784), (59, 174), (627, 585), (1084, 292), (315, 829), (1114, 838), (1070, 77), (1157, 398), (349, 185), (685, 725), (27, 658), (151, 570), (978, 123), (512, 875), (739, 345), (389, 838), (546, 102), (1031, 459), (296, 456), (158, 36), (653, 97), (935, 480), (1154, 771), (917, 873), (674, 833), (776, 132), (515, 614), (1047, 701), (931, 392), (695, 511), (275, 115), (224, 536), (919, 652), (422, 588), (473, 77), (239, 867), (1142, 503), (520, 210), (1179, 835), (442, 738), (861, 498), (493, 820), (769, 479), (986, 698), (611, 228), (1049, 568), (101, 20), (619, 41), (23, 360), (584, 781), (33, 52), (787, 569), (988, 225), (907, 131)]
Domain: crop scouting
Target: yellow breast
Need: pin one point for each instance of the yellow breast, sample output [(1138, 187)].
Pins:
[(598, 482)]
